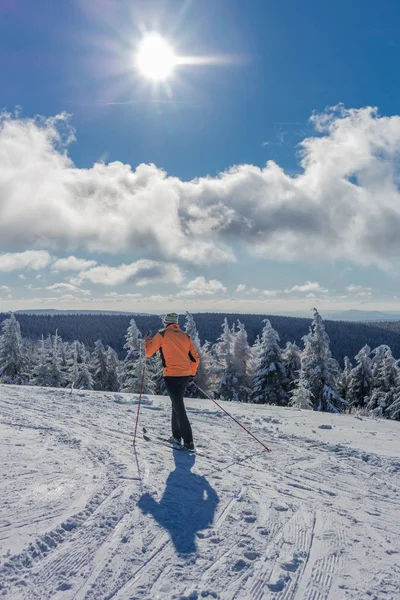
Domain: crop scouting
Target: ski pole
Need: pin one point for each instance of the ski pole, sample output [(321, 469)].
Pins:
[(140, 398), (233, 418)]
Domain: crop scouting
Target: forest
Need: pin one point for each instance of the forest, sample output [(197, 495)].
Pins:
[(346, 338), (262, 369)]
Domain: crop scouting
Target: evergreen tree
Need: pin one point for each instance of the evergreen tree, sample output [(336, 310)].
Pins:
[(301, 396), (12, 359), (40, 372), (385, 381), (393, 410), (345, 378), (320, 369), (134, 347), (291, 358), (360, 383), (270, 377), (226, 378), (112, 383), (100, 366), (55, 374), (241, 362), (134, 380), (191, 329), (82, 377)]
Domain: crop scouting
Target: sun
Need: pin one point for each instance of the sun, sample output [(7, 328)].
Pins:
[(155, 58)]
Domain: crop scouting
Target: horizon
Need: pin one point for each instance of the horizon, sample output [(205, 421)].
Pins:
[(149, 163)]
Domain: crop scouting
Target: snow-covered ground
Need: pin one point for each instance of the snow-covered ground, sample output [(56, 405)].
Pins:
[(83, 516)]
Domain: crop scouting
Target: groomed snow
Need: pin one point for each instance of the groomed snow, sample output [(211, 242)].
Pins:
[(82, 516)]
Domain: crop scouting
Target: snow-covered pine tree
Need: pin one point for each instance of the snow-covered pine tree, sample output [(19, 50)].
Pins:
[(66, 357), (134, 347), (134, 376), (55, 374), (386, 378), (291, 358), (12, 359), (206, 371), (301, 396), (393, 410), (99, 366), (320, 369), (191, 330), (360, 383), (241, 361), (226, 378), (82, 377), (205, 377), (112, 383), (270, 377), (345, 378), (40, 372)]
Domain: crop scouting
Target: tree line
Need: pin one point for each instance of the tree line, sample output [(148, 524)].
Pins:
[(231, 368), (346, 337)]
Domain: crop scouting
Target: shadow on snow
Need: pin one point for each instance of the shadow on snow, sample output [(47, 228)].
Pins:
[(187, 506)]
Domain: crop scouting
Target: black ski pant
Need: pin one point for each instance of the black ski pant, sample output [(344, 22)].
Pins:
[(181, 428)]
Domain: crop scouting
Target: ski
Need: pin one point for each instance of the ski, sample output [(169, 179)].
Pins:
[(156, 439)]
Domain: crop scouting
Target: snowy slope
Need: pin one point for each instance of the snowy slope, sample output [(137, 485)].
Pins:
[(83, 517)]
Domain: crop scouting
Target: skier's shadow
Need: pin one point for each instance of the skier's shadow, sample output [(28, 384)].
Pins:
[(188, 504)]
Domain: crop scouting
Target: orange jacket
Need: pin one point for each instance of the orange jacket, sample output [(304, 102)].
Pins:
[(178, 354)]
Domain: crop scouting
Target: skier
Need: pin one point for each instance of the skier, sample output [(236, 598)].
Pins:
[(180, 360)]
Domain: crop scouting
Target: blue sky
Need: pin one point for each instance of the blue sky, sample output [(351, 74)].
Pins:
[(318, 225)]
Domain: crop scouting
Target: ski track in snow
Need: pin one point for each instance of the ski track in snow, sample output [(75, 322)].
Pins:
[(85, 516)]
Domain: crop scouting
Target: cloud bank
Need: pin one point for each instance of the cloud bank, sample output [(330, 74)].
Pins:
[(344, 204)]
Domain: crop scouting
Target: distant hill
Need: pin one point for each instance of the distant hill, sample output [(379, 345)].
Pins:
[(347, 338), (362, 316), (54, 311)]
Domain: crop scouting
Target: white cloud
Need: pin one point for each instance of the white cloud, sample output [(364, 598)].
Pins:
[(269, 293), (241, 287), (359, 290), (201, 287), (18, 261), (72, 264), (4, 288), (308, 286), (68, 287), (345, 204), (141, 272)]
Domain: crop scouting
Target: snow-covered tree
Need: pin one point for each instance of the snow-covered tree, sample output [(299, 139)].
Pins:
[(135, 354), (112, 383), (320, 370), (270, 377), (291, 358), (386, 381), (40, 371), (225, 368), (345, 378), (301, 396), (134, 380), (81, 376), (133, 342), (99, 366), (393, 410), (55, 374), (12, 360), (241, 363), (360, 382), (191, 329)]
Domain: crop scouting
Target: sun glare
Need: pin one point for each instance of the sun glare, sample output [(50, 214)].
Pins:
[(155, 58)]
